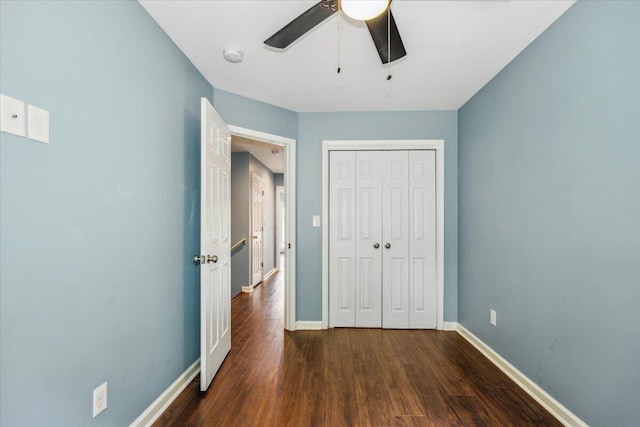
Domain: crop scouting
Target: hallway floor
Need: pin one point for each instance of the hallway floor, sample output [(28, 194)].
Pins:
[(348, 377)]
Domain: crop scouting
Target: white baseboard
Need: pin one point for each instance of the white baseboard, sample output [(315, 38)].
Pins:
[(153, 412), (271, 273), (561, 413), (308, 325), (249, 289), (450, 326)]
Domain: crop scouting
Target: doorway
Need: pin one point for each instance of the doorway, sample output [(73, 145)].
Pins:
[(288, 232)]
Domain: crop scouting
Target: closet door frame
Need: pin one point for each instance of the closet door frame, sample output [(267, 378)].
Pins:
[(357, 145)]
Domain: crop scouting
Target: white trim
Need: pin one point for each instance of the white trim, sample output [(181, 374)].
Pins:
[(290, 192), (559, 411), (450, 326), (406, 144), (153, 412), (279, 231), (261, 136), (309, 325), (290, 215), (247, 289), (270, 273)]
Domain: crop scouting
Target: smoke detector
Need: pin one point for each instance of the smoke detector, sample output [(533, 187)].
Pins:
[(232, 54)]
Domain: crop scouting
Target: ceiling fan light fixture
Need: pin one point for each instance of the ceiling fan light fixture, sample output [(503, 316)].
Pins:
[(363, 10)]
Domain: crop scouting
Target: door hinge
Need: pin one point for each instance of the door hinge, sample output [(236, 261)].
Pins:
[(289, 245), (263, 193), (262, 264)]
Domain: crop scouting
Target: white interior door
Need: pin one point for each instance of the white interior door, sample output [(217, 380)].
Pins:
[(395, 237), (368, 234), (342, 216), (257, 228), (382, 239), (423, 281), (355, 235), (215, 232)]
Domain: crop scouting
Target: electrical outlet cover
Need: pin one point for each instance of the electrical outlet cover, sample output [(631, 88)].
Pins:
[(493, 317), (12, 115)]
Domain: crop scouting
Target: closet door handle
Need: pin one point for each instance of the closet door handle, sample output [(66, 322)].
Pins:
[(388, 245), (376, 245)]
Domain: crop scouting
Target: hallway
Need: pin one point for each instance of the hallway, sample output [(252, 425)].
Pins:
[(348, 377)]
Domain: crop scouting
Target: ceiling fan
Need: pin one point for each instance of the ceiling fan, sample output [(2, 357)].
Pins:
[(376, 14)]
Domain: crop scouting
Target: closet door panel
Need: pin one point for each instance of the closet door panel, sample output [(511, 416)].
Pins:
[(422, 242), (368, 234), (395, 231), (342, 238)]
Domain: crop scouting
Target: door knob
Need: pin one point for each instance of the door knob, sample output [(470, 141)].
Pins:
[(213, 258), (388, 245), (198, 259), (376, 245)]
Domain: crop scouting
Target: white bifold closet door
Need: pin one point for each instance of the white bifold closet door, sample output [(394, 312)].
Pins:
[(382, 239)]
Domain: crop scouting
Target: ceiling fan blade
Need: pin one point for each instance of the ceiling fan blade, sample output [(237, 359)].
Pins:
[(378, 29), (303, 23)]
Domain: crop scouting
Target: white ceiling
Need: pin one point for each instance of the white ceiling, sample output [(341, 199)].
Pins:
[(263, 151), (453, 49)]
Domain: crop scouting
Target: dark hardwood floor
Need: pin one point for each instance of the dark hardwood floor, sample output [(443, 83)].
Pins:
[(348, 377)]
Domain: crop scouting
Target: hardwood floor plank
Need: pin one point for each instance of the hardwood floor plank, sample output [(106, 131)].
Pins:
[(348, 377), (411, 421), (435, 350), (433, 400), (472, 412)]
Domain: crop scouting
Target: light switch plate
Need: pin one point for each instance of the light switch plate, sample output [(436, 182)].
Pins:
[(316, 220), (12, 115), (38, 124), (99, 399)]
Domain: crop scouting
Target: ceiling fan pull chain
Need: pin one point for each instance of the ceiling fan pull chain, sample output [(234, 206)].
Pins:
[(338, 41), (389, 41)]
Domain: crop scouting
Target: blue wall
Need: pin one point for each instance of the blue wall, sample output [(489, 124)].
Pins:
[(550, 212), (255, 115), (98, 227), (309, 129), (313, 128), (240, 221)]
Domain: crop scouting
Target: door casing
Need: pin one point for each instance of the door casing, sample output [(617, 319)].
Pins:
[(357, 145), (279, 227)]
